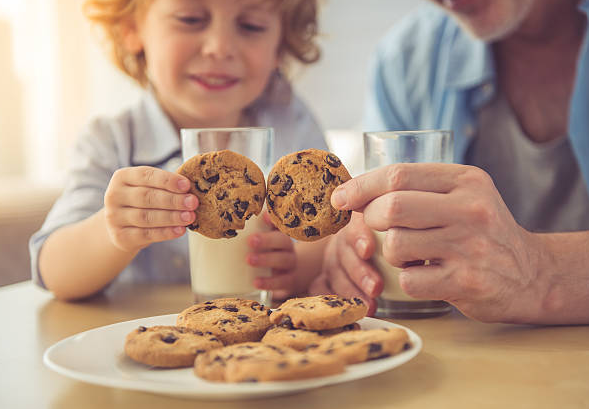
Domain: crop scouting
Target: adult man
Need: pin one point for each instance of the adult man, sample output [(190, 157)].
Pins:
[(511, 79)]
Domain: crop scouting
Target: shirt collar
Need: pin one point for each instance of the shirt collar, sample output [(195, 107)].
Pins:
[(155, 138)]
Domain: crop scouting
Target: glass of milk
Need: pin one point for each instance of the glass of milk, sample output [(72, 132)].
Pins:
[(218, 267), (385, 148)]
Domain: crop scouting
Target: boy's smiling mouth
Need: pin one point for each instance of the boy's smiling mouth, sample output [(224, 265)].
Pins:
[(211, 81)]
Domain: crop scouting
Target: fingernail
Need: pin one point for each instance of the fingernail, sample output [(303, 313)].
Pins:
[(339, 198), (183, 184), (368, 285), (186, 216), (361, 247), (179, 229), (253, 259), (189, 201)]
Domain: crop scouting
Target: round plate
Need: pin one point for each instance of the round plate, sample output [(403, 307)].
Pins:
[(97, 356)]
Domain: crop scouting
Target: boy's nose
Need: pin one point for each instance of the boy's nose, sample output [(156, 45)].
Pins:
[(219, 43)]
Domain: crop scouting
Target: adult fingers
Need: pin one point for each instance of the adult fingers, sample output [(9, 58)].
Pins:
[(429, 177), (412, 209), (362, 273), (430, 282), (402, 246)]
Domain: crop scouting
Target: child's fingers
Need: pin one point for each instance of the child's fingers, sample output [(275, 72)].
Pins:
[(278, 281), (153, 177), (150, 198), (136, 237), (280, 260), (147, 218), (266, 218), (273, 240)]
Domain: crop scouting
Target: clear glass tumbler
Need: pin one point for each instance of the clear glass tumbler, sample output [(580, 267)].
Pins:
[(385, 148), (218, 267)]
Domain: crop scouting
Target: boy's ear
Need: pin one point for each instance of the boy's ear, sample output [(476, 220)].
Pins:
[(130, 36)]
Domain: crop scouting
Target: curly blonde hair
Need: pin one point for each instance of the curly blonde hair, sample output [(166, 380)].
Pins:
[(298, 42)]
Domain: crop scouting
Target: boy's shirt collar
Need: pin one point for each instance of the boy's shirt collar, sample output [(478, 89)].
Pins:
[(155, 139)]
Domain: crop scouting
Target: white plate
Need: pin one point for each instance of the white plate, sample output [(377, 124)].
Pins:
[(97, 356)]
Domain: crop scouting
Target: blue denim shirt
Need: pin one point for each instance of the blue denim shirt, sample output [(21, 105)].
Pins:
[(144, 135), (429, 74)]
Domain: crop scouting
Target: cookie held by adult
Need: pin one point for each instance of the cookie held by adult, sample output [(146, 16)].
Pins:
[(230, 189), (299, 192)]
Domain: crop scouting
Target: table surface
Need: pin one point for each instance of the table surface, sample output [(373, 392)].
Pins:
[(463, 364)]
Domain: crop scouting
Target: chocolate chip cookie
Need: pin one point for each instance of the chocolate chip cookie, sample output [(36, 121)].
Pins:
[(319, 312), (359, 346), (258, 362), (302, 339), (168, 346), (232, 320), (299, 193), (230, 189)]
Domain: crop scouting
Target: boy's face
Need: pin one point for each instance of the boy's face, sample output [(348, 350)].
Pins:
[(488, 20), (208, 59)]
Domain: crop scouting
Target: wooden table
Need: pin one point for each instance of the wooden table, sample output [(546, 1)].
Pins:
[(464, 364)]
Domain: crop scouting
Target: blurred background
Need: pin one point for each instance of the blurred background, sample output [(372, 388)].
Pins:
[(54, 77)]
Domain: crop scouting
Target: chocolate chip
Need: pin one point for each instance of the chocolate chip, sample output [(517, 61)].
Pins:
[(227, 216), (248, 179), (225, 321), (332, 160), (141, 328), (374, 347), (270, 202), (275, 180), (282, 193), (197, 332), (208, 302), (327, 176), (230, 233), (244, 318), (257, 198), (311, 231), (213, 179), (222, 196), (349, 343), (200, 351), (288, 184), (309, 209), (304, 361), (319, 199), (406, 346), (311, 346), (269, 312), (309, 162), (230, 308), (202, 161), (193, 226), (214, 339), (282, 365), (335, 303), (170, 339), (339, 217), (295, 222), (240, 207), (358, 301), (199, 189), (210, 307), (329, 351), (286, 322)]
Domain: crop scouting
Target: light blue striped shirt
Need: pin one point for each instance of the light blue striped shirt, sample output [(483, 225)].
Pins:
[(429, 74)]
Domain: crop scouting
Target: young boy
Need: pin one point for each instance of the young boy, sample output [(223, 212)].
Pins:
[(203, 63)]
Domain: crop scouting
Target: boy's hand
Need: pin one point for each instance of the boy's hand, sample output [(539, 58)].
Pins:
[(274, 249), (144, 205)]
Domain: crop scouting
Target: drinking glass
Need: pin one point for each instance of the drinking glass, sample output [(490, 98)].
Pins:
[(385, 148), (218, 267)]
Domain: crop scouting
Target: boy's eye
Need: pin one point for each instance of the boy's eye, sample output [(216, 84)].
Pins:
[(190, 20), (252, 27)]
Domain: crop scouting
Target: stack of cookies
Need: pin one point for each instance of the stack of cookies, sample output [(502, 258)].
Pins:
[(236, 340)]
